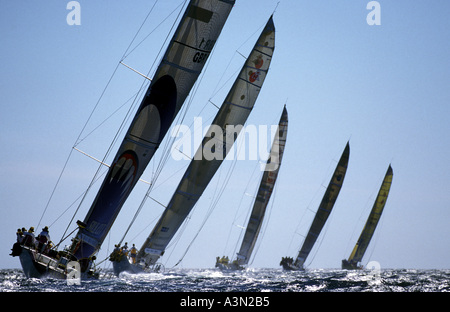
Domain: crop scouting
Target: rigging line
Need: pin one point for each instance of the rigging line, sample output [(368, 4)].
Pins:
[(166, 149), (375, 241), (322, 237), (238, 209), (138, 31), (94, 179), (163, 158), (70, 206), (248, 214), (71, 150), (81, 132), (106, 119), (266, 223), (212, 207), (157, 26), (161, 163)]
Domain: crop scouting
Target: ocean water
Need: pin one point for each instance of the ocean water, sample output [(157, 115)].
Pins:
[(251, 280)]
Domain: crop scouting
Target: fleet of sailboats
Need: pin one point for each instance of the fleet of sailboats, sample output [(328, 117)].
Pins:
[(181, 65), (175, 76), (218, 141)]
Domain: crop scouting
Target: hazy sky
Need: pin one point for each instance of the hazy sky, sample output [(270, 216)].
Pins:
[(384, 88)]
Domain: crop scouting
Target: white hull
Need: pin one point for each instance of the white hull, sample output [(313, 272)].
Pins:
[(38, 265)]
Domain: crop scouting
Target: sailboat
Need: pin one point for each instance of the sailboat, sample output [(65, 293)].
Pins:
[(265, 189), (182, 63), (217, 142), (322, 214), (371, 224)]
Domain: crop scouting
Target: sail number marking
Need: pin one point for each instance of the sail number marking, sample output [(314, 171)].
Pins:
[(200, 57), (205, 45)]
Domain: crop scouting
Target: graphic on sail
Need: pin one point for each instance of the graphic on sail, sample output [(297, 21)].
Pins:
[(174, 78), (262, 199), (371, 224), (234, 111), (322, 214)]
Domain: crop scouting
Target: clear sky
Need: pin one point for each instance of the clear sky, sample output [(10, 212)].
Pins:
[(384, 88)]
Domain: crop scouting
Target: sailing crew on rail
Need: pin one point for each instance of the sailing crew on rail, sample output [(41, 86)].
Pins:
[(19, 235), (125, 249), (29, 239), (133, 254), (43, 239)]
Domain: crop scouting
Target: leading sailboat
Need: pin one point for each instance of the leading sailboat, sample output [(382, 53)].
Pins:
[(175, 76), (262, 199), (216, 144), (352, 263), (322, 214)]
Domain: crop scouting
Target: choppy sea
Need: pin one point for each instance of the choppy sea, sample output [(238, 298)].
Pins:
[(251, 280), (252, 287)]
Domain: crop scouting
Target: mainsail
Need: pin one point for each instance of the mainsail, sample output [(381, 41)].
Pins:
[(217, 142), (322, 213), (180, 67), (371, 223), (264, 192)]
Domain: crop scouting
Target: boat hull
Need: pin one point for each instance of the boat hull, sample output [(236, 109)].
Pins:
[(288, 265), (346, 265), (227, 267), (36, 269), (122, 264), (39, 265)]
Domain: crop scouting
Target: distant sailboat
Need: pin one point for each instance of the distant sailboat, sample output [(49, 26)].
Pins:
[(180, 67), (234, 112), (369, 228), (262, 199), (321, 216)]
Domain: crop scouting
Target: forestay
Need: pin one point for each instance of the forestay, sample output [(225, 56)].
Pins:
[(234, 112), (174, 78)]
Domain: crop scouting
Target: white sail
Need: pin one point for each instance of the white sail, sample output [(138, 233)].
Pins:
[(264, 192), (234, 111)]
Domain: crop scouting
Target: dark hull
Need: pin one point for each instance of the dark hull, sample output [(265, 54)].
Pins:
[(288, 265), (226, 267), (121, 264), (350, 266)]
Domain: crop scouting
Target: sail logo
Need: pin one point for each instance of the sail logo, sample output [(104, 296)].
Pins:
[(217, 143), (253, 76)]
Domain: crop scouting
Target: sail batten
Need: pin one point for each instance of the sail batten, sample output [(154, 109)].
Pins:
[(234, 111)]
